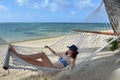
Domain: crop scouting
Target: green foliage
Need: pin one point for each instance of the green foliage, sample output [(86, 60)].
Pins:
[(114, 45)]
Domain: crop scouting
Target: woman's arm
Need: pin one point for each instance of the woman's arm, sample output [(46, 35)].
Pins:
[(52, 51), (72, 63)]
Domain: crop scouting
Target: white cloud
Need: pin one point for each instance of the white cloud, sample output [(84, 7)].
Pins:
[(3, 8), (22, 2), (53, 6), (59, 4), (39, 5), (82, 4), (33, 4), (45, 3)]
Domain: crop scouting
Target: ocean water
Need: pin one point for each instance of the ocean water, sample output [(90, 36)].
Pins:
[(13, 32)]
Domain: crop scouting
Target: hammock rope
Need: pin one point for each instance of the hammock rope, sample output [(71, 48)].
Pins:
[(86, 42)]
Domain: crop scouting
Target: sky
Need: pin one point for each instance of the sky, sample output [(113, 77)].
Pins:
[(52, 11)]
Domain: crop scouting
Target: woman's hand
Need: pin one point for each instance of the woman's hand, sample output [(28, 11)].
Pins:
[(46, 46), (51, 50)]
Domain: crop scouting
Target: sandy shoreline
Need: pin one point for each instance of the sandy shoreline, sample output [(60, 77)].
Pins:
[(104, 66)]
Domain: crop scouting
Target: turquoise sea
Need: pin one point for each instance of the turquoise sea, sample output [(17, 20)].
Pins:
[(12, 32)]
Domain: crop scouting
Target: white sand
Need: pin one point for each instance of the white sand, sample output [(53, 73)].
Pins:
[(104, 66)]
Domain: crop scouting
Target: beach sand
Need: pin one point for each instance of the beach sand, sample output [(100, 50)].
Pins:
[(104, 66)]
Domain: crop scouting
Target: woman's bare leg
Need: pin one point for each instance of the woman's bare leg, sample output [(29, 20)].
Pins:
[(46, 61), (33, 61), (32, 58)]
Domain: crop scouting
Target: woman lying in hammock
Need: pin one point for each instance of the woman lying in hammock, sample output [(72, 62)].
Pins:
[(66, 59)]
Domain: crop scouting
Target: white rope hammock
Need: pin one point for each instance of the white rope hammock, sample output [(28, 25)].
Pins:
[(89, 45)]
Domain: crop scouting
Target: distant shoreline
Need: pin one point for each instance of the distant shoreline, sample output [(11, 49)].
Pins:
[(35, 39), (60, 22), (18, 32)]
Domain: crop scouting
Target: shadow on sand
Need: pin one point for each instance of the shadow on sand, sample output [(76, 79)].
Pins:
[(102, 68)]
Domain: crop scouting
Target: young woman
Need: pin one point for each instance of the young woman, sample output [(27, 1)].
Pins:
[(65, 59)]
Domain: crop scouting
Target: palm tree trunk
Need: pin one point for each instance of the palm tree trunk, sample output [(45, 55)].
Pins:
[(113, 11)]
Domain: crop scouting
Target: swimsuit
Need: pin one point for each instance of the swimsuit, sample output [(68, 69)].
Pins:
[(63, 61)]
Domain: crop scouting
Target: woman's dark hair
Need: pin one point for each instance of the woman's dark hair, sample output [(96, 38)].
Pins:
[(73, 55)]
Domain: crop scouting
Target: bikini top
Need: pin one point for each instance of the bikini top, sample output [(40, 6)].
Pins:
[(63, 61)]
